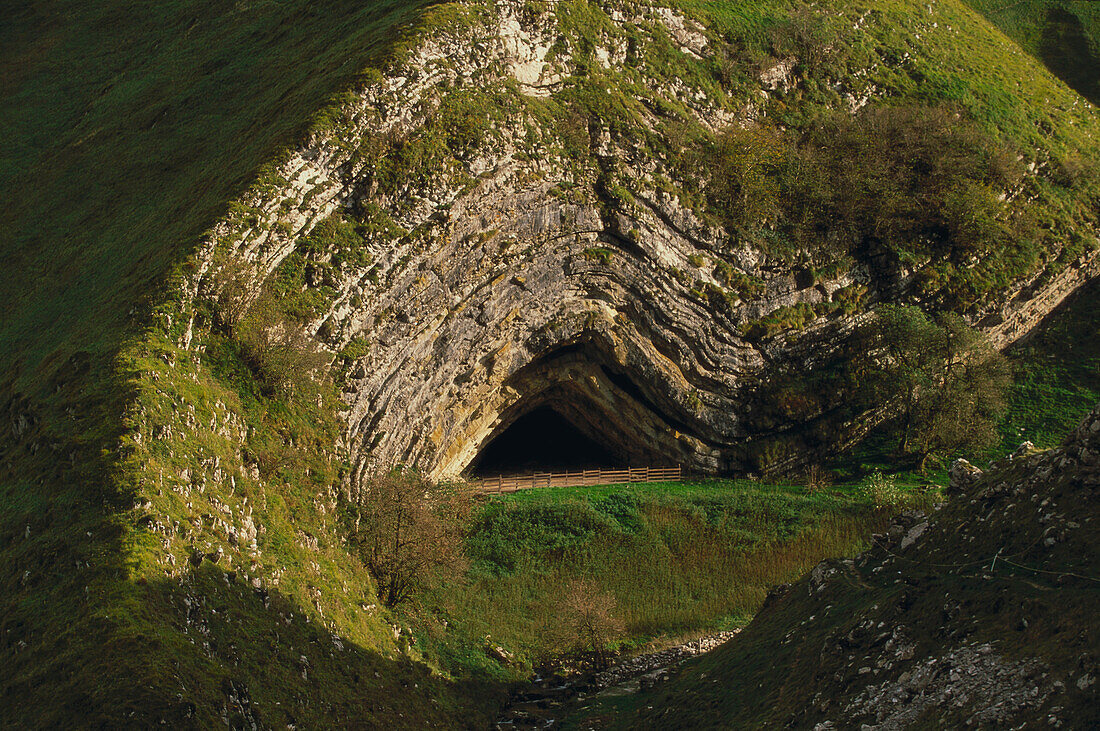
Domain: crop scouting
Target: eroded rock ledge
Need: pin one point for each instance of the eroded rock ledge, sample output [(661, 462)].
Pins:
[(518, 272)]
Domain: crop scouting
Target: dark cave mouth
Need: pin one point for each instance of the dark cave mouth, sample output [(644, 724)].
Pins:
[(542, 440)]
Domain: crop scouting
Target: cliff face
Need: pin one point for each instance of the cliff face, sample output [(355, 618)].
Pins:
[(508, 251), (979, 615)]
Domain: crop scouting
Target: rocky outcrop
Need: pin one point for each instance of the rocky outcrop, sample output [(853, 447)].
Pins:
[(508, 258), (979, 615)]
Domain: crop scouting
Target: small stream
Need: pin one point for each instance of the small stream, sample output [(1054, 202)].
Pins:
[(547, 699)]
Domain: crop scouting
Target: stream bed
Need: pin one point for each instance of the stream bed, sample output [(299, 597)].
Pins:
[(547, 700)]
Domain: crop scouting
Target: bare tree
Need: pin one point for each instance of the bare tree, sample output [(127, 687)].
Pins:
[(589, 619), (817, 478), (410, 531)]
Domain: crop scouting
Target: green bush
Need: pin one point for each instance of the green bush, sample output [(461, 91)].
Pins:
[(881, 491), (599, 254), (745, 285), (944, 380), (337, 240), (793, 317), (276, 350), (745, 171), (917, 180)]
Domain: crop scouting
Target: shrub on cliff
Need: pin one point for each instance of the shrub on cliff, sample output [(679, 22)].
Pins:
[(946, 381), (278, 352), (409, 532), (924, 182), (269, 337)]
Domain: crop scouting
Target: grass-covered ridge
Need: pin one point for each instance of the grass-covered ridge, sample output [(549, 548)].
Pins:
[(1064, 34), (128, 129)]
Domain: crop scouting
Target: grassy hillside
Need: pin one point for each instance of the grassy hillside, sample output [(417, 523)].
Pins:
[(1057, 374), (128, 129), (711, 550), (1064, 34)]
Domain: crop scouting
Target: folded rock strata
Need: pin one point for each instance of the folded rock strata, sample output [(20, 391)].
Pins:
[(512, 277)]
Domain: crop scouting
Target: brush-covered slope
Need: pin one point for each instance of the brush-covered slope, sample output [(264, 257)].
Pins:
[(983, 614), (521, 204)]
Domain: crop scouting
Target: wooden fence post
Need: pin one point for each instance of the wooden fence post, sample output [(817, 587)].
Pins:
[(578, 478)]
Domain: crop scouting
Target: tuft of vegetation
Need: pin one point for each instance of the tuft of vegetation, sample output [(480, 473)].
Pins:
[(599, 255), (881, 490), (790, 317), (746, 286)]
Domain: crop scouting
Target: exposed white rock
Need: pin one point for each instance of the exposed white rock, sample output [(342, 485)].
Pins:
[(516, 281)]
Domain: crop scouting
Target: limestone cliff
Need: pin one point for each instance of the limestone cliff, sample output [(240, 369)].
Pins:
[(507, 251), (514, 205)]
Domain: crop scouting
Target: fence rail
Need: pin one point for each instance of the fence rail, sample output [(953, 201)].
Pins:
[(581, 478)]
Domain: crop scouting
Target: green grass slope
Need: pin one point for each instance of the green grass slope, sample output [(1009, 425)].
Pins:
[(1064, 34), (128, 128), (1057, 374), (711, 548)]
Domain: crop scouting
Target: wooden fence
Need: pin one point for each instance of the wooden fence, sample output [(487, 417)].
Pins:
[(582, 478)]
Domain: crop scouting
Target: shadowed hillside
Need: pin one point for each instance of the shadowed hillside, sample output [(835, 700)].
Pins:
[(982, 613), (1064, 34), (128, 128)]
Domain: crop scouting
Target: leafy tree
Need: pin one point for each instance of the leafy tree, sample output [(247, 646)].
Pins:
[(409, 531), (945, 379)]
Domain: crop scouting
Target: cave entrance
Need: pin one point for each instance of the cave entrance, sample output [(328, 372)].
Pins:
[(541, 440)]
